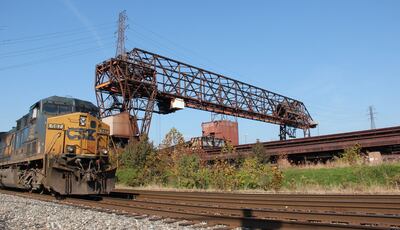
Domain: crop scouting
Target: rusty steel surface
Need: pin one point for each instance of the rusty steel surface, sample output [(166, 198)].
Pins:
[(377, 204), (351, 211), (367, 139), (141, 79), (222, 129), (250, 210)]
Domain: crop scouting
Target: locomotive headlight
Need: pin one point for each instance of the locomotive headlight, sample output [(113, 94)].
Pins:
[(103, 151), (82, 120), (103, 131), (71, 148)]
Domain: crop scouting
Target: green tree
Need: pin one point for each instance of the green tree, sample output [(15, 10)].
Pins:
[(137, 160), (260, 153), (136, 153), (249, 174), (173, 138), (188, 169)]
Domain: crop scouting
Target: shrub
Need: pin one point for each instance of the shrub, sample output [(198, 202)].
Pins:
[(249, 174), (188, 171), (136, 153), (227, 148), (352, 155), (272, 178), (130, 176), (155, 169), (223, 176), (260, 153), (141, 164), (203, 178), (395, 181), (277, 178)]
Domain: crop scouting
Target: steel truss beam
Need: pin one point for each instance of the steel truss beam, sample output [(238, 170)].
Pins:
[(151, 78)]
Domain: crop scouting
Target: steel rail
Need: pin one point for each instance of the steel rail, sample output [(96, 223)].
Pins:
[(382, 204), (361, 220), (365, 210), (288, 205), (234, 216), (260, 196)]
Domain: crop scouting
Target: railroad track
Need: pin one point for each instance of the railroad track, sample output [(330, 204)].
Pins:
[(268, 211), (350, 204), (285, 210)]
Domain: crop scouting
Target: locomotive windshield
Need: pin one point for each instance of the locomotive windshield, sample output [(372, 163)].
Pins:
[(59, 105), (51, 108), (87, 109)]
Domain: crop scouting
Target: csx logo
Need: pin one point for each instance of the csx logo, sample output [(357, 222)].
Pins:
[(81, 134)]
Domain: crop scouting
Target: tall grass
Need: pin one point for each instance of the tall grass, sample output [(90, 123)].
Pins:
[(359, 177)]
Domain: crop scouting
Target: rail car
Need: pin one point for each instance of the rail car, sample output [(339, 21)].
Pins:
[(60, 146), (205, 142)]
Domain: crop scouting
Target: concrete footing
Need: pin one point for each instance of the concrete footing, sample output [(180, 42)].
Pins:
[(375, 158)]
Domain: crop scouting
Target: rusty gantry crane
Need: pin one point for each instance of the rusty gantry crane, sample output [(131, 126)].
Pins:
[(142, 83)]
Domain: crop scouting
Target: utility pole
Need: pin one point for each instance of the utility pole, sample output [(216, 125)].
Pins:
[(121, 34), (372, 114)]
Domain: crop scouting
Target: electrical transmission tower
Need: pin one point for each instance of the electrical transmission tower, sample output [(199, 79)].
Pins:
[(121, 34), (372, 113)]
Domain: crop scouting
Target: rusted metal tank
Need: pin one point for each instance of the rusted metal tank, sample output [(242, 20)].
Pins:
[(224, 129), (122, 125)]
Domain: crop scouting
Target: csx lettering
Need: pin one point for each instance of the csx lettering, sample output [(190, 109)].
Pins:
[(80, 133)]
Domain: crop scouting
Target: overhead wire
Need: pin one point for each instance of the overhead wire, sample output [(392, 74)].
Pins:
[(66, 39), (189, 53), (57, 57), (51, 47), (177, 45), (52, 35), (145, 39), (177, 50), (329, 114)]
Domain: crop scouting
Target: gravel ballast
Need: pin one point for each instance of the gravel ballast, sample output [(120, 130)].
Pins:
[(22, 213)]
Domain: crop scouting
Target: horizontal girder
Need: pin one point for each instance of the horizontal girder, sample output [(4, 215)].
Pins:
[(140, 72)]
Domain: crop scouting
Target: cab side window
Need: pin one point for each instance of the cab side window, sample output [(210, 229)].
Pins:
[(50, 108), (65, 109)]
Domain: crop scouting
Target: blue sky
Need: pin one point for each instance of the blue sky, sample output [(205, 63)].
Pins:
[(338, 57)]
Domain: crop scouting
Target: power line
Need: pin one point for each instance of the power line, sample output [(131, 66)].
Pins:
[(178, 49), (53, 58), (40, 37), (51, 47)]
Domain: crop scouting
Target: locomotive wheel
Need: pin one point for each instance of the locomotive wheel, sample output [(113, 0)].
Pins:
[(58, 196)]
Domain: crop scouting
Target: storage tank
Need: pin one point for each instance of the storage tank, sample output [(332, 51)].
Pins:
[(122, 125), (224, 129)]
